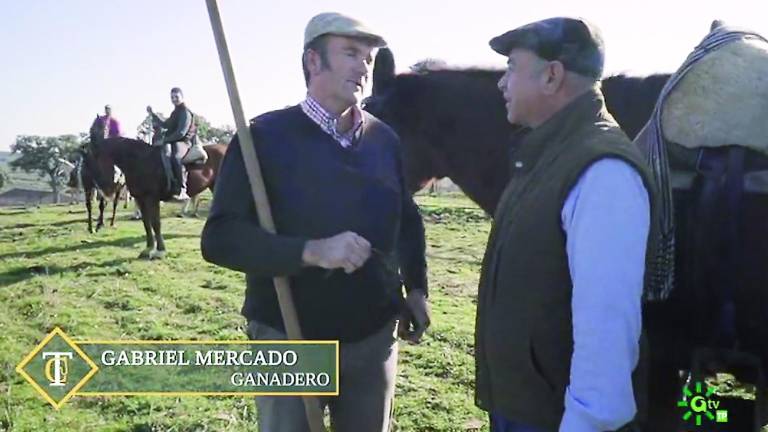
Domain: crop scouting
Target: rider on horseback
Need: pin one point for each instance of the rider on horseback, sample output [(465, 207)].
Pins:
[(181, 128)]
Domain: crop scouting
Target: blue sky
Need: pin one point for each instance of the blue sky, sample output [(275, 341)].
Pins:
[(63, 60)]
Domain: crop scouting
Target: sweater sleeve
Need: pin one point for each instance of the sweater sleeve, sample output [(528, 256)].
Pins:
[(412, 242), (232, 236)]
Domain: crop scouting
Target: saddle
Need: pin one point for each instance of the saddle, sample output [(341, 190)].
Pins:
[(721, 99), (195, 154)]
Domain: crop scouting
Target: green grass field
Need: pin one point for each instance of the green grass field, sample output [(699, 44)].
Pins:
[(53, 273)]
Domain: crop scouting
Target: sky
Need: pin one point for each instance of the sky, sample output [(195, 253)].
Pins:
[(64, 60)]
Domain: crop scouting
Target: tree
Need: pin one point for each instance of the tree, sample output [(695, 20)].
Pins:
[(43, 155), (4, 178), (211, 134)]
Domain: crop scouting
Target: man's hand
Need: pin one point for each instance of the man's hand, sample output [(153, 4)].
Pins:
[(149, 109), (346, 250), (415, 318)]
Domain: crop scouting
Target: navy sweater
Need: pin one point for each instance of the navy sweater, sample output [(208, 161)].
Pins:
[(318, 189)]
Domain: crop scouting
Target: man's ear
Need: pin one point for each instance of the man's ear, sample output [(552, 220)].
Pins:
[(553, 77), (313, 61)]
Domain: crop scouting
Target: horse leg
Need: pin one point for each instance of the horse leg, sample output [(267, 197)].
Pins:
[(102, 204), (114, 205), (154, 211), (141, 202), (88, 198), (185, 208), (197, 205)]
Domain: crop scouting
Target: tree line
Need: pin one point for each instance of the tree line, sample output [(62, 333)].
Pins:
[(43, 155)]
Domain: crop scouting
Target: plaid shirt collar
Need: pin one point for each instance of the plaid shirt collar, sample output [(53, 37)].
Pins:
[(328, 121)]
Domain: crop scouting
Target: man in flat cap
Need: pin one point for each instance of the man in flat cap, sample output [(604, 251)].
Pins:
[(559, 304), (348, 230)]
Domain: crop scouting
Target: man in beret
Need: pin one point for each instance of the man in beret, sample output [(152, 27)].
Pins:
[(347, 230), (559, 305)]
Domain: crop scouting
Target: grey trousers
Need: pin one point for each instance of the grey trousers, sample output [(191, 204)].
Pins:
[(367, 371)]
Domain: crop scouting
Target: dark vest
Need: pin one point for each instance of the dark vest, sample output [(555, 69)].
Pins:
[(524, 333)]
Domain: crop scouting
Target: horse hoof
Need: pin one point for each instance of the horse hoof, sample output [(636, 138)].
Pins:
[(90, 230), (146, 253), (157, 254)]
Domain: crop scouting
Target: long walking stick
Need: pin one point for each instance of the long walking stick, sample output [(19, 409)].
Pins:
[(288, 310)]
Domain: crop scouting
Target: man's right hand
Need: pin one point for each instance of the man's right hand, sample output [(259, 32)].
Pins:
[(346, 250)]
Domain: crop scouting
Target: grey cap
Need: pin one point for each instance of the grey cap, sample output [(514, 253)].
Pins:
[(334, 23), (573, 42)]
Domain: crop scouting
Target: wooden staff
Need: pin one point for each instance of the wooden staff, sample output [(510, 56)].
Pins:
[(251, 160)]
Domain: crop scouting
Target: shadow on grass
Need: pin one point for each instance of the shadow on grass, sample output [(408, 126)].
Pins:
[(121, 242), (55, 224), (20, 274)]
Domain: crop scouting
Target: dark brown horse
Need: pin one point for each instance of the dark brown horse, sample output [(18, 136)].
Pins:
[(81, 178), (146, 178), (452, 123)]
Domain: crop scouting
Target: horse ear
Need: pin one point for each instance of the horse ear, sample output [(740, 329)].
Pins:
[(383, 71), (716, 24)]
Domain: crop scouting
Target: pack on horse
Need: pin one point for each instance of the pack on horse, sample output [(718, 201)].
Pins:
[(452, 123), (80, 178), (146, 174)]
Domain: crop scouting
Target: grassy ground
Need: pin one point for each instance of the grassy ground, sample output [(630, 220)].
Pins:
[(53, 273)]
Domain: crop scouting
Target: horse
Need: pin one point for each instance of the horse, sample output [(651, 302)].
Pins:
[(145, 178), (452, 123), (80, 178)]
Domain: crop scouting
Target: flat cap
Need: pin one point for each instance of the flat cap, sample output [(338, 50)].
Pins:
[(340, 25), (573, 42)]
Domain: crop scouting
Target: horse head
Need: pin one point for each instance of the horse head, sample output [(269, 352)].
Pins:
[(98, 159), (386, 103), (97, 130)]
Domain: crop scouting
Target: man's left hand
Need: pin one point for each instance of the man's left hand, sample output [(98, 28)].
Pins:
[(415, 318)]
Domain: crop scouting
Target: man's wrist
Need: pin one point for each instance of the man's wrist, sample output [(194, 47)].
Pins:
[(308, 255)]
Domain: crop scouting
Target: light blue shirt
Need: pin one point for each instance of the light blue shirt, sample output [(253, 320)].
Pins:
[(606, 219)]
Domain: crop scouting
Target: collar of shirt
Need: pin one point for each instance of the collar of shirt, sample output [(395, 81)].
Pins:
[(328, 121)]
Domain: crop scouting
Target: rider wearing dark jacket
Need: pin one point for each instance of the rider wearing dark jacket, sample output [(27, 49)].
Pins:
[(180, 127)]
